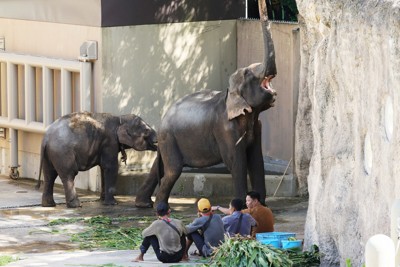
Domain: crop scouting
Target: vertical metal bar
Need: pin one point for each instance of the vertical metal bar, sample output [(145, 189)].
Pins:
[(29, 93), (66, 92), (246, 14), (12, 97), (13, 148), (48, 95), (85, 86), (3, 88)]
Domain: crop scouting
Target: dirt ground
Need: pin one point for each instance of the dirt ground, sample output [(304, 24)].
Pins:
[(24, 223)]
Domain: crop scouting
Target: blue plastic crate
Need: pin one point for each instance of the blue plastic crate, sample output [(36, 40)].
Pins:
[(273, 242), (291, 244), (274, 235)]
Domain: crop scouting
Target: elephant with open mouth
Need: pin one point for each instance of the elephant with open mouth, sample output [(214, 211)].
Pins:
[(79, 141), (209, 127)]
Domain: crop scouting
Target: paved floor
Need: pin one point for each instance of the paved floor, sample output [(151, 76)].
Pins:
[(25, 233)]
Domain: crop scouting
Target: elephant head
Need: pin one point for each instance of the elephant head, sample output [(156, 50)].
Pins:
[(137, 134), (250, 87)]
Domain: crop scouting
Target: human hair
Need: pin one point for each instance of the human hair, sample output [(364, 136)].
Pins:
[(162, 208), (237, 204), (254, 195)]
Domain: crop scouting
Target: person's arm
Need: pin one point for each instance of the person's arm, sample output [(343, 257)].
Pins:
[(222, 209), (150, 230), (195, 225)]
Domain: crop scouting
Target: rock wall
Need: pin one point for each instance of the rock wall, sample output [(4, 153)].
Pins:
[(348, 139)]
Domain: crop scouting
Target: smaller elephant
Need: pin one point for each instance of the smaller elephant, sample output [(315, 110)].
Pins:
[(79, 141)]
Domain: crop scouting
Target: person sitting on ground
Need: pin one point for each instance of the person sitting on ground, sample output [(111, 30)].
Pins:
[(165, 235), (263, 215), (206, 232), (238, 222)]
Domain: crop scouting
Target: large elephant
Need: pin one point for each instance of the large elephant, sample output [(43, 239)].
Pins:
[(79, 141), (210, 127)]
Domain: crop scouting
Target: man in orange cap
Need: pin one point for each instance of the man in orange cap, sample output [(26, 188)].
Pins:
[(206, 232)]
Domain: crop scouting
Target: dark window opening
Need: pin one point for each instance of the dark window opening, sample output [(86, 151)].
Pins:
[(284, 10)]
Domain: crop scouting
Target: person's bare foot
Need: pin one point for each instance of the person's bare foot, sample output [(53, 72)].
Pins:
[(139, 258), (185, 258)]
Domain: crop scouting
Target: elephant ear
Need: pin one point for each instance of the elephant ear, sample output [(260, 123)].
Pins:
[(123, 136), (236, 105)]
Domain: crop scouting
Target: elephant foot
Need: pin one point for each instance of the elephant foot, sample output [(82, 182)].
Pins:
[(110, 202), (143, 204), (48, 202), (76, 203)]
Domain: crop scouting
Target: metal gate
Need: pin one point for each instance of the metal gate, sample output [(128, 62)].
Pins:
[(35, 91)]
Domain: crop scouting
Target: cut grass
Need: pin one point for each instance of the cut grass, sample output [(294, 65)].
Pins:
[(5, 259), (106, 232)]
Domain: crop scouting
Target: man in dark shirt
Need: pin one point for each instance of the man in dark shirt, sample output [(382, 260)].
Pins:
[(263, 215), (206, 232), (238, 222)]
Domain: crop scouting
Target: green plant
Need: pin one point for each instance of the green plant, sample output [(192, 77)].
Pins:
[(305, 258), (244, 251), (109, 236), (105, 232), (64, 221), (5, 259)]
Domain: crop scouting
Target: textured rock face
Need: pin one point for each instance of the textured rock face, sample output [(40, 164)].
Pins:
[(348, 139)]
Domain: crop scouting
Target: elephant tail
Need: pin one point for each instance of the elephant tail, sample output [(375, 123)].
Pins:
[(42, 151), (160, 167)]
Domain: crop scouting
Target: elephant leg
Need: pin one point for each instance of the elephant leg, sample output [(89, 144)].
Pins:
[(255, 164), (71, 196), (172, 170), (50, 175), (236, 163), (110, 173), (143, 196), (102, 191)]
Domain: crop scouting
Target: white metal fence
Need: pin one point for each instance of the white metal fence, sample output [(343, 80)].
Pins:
[(35, 91)]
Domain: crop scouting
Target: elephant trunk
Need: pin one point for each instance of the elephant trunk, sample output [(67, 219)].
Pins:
[(269, 51)]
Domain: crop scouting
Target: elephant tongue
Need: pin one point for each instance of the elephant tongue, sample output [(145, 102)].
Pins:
[(266, 83)]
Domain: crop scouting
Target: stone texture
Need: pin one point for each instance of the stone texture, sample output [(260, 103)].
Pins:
[(350, 71)]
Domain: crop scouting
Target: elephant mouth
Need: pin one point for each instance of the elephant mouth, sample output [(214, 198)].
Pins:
[(153, 146), (267, 86)]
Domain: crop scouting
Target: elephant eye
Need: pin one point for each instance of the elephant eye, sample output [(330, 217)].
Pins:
[(146, 131)]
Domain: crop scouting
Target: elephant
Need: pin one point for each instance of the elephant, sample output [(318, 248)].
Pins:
[(210, 127), (79, 141)]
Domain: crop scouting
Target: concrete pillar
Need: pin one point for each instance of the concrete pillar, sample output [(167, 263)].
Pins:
[(379, 251), (395, 228)]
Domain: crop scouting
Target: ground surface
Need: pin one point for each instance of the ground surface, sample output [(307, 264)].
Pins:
[(24, 229)]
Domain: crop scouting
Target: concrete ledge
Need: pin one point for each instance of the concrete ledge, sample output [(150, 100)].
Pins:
[(207, 185)]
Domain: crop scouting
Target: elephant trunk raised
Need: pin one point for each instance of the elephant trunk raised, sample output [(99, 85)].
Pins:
[(269, 65)]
